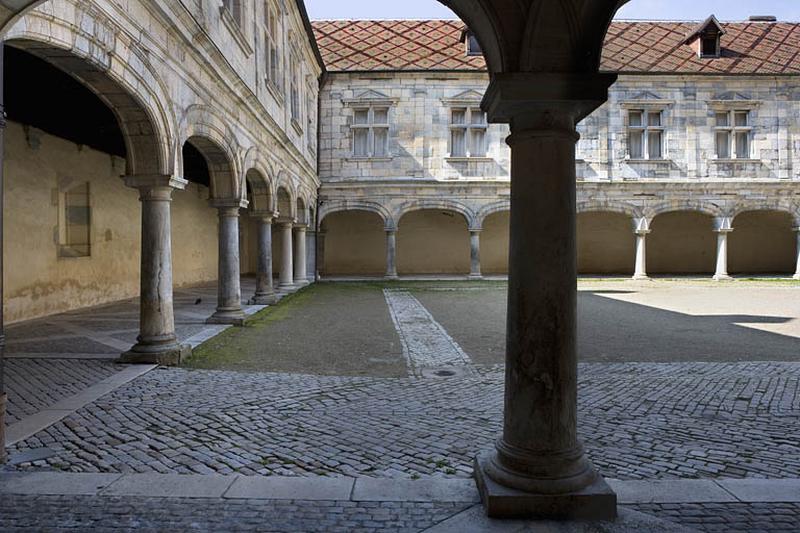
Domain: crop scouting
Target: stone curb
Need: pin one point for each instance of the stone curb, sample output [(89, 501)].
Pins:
[(374, 489), (30, 425)]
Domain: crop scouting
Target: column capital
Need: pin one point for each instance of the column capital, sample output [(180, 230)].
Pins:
[(285, 221), (545, 101), (154, 181), (228, 203), (390, 229), (264, 216), (475, 230), (723, 225), (300, 227)]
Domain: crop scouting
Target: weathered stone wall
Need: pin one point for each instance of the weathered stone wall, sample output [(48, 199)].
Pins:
[(38, 282)]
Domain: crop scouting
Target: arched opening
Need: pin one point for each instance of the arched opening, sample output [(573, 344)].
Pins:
[(431, 242), (606, 243), (259, 202), (494, 243), (285, 212), (72, 226), (355, 244), (762, 242), (682, 242)]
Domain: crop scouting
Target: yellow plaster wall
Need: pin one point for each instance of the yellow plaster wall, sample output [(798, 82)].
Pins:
[(37, 281), (606, 244), (762, 242), (494, 244), (355, 244), (431, 241), (682, 243)]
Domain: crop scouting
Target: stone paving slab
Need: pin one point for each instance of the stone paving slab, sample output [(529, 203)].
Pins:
[(55, 483), (763, 490), (291, 488), (170, 485), (418, 490), (671, 491)]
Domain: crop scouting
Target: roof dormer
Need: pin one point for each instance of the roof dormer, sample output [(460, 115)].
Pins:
[(705, 38), (471, 42)]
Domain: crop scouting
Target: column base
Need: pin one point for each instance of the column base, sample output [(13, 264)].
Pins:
[(796, 276), (264, 299), (233, 318), (391, 277), (595, 502), (287, 287), (722, 277), (172, 356), (641, 277), (475, 277)]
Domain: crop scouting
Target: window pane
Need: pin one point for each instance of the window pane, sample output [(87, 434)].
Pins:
[(459, 143), (360, 137), (381, 141), (478, 143), (478, 116), (361, 116), (723, 120), (654, 119), (723, 145), (654, 145), (635, 118), (381, 116), (743, 145), (77, 221), (741, 118), (459, 116), (636, 148)]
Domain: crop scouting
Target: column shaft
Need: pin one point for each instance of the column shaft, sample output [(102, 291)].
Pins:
[(286, 274), (475, 254), (229, 290), (157, 342), (300, 256), (797, 252), (640, 270), (2, 323), (265, 292), (721, 273), (391, 254)]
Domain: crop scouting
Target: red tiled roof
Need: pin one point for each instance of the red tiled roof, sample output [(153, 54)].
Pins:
[(633, 47)]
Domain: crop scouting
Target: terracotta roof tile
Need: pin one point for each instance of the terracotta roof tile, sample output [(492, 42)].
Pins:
[(633, 47)]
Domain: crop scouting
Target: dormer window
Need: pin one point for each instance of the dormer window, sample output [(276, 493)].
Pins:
[(471, 42), (705, 38)]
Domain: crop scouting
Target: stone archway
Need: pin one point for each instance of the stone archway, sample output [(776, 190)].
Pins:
[(682, 242), (433, 242), (606, 243), (494, 243), (355, 244)]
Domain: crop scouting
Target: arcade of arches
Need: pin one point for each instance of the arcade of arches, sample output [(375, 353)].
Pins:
[(224, 167)]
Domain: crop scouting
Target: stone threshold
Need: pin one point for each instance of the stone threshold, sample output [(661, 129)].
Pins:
[(364, 489)]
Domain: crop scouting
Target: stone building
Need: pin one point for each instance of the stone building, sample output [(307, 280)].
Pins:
[(695, 156)]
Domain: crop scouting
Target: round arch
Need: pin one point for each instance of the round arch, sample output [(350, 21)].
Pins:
[(705, 208), (329, 208), (682, 242), (221, 167), (433, 241), (605, 240), (285, 200), (490, 209), (621, 208), (436, 205), (495, 233)]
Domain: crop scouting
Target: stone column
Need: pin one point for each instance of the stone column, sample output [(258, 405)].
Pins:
[(475, 254), (286, 282), (722, 227), (300, 277), (320, 254), (3, 396), (157, 342), (311, 256), (265, 292), (641, 230), (229, 288), (391, 253), (797, 270), (538, 467)]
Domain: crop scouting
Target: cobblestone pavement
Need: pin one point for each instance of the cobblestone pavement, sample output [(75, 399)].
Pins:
[(33, 384), (638, 421), (425, 342), (729, 517), (80, 513)]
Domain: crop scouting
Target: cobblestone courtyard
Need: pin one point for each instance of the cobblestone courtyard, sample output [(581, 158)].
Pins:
[(678, 380)]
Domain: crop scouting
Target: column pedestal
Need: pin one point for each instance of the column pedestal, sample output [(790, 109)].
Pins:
[(229, 289), (157, 342), (391, 255), (723, 228), (300, 277), (640, 269), (265, 292), (538, 467), (475, 254), (286, 281)]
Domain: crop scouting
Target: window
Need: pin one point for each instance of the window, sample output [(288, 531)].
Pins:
[(294, 90), (645, 134), (467, 132), (75, 222), (234, 9), (271, 39), (733, 134), (370, 132), (311, 115), (709, 45), (473, 46)]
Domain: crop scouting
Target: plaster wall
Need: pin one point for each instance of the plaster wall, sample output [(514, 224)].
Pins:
[(432, 242), (37, 281), (762, 242), (355, 244), (494, 244), (682, 243), (605, 244)]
